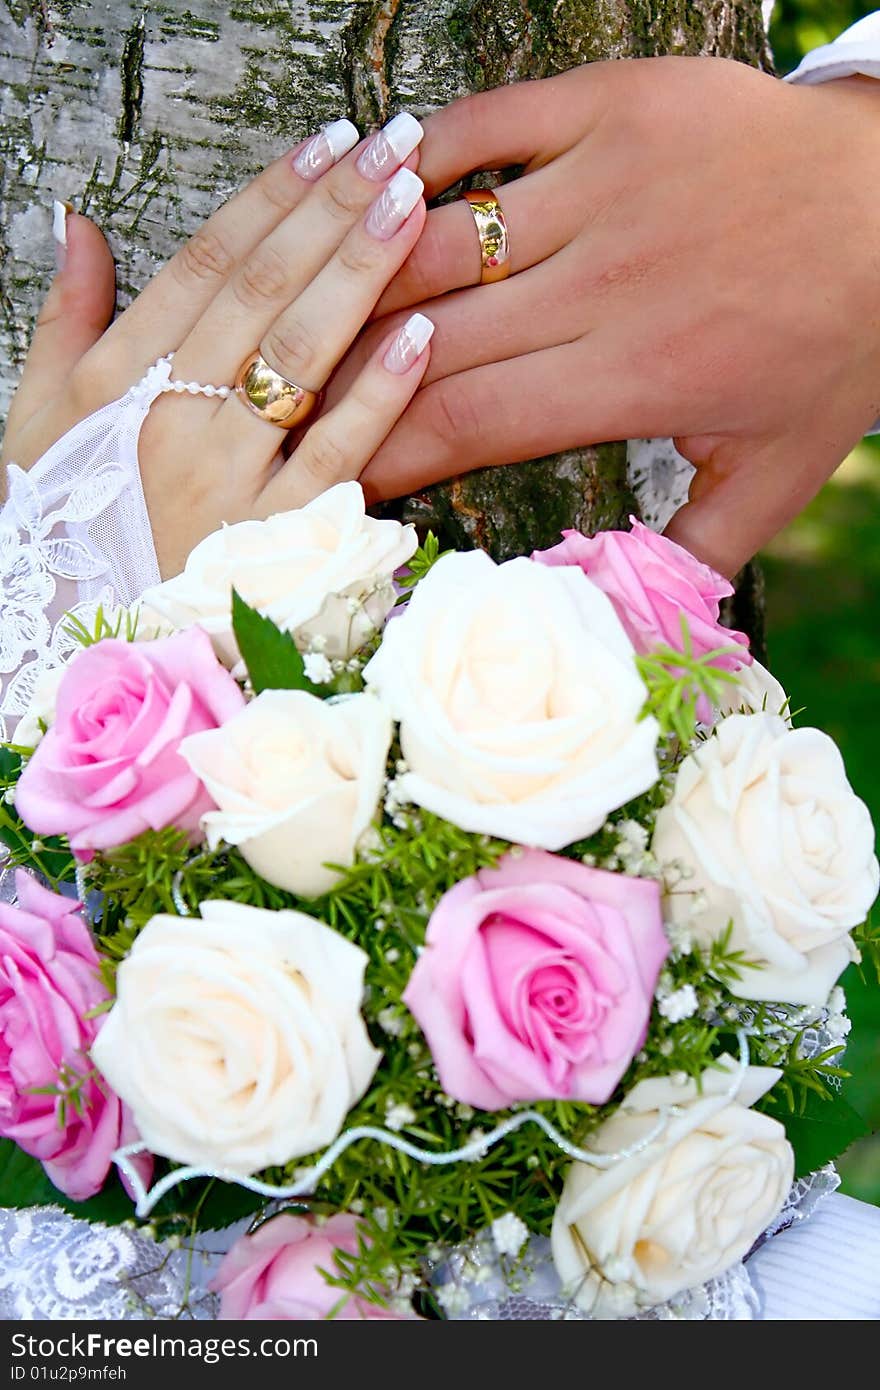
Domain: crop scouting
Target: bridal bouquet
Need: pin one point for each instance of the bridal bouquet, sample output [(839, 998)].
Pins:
[(446, 917)]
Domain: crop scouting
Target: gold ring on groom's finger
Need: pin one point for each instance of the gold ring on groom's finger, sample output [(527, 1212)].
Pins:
[(270, 395), (492, 231)]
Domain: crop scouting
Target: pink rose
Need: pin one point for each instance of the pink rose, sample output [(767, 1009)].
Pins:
[(537, 979), (275, 1274), (49, 982), (652, 582), (109, 768)]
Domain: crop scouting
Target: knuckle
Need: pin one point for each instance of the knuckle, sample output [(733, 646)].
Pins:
[(452, 418), (276, 188), (420, 271), (471, 115), (263, 279), (326, 458), (631, 272), (291, 349), (339, 199), (204, 257), (358, 257), (85, 380)]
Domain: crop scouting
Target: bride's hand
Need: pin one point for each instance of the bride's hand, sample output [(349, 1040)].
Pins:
[(291, 266), (693, 254)]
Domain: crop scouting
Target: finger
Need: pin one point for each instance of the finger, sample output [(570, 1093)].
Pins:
[(75, 313), (510, 411), (487, 323), (308, 339), (338, 447), (524, 123), (282, 265), (168, 307), (541, 216), (743, 496)]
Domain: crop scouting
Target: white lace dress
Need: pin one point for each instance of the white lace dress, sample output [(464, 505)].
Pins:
[(74, 534)]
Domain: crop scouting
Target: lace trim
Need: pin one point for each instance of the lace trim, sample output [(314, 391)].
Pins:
[(53, 1266), (74, 534)]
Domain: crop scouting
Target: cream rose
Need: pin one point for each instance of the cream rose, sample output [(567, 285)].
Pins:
[(323, 571), (237, 1040), (518, 699), (685, 1208), (757, 691), (779, 845), (40, 713), (296, 780)]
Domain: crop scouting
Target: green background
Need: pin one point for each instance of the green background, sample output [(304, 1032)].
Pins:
[(823, 598), (799, 25)]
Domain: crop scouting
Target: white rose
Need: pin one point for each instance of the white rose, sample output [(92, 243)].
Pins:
[(779, 845), (757, 691), (322, 571), (40, 712), (237, 1040), (685, 1208), (149, 626), (297, 781), (518, 699)]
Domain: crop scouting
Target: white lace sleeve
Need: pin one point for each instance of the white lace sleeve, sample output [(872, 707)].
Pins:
[(74, 534)]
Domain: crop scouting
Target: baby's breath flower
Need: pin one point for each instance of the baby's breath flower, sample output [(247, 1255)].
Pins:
[(397, 1117), (838, 1026), (509, 1234), (679, 938), (317, 668), (391, 1022), (679, 1004), (453, 1299)]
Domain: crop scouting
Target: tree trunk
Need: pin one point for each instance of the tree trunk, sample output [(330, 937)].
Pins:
[(146, 115)]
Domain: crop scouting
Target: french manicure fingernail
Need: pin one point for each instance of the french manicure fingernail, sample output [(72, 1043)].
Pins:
[(325, 149), (394, 205), (59, 231), (409, 344), (389, 147)]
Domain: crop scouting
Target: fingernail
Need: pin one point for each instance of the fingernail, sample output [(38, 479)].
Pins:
[(325, 149), (59, 231), (389, 147), (409, 344), (394, 205)]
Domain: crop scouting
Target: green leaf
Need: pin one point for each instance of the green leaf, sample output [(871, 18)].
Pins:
[(418, 565), (225, 1204), (23, 1183), (270, 655), (822, 1131), (867, 938), (10, 764)]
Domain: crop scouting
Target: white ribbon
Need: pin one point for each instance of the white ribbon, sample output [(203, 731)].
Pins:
[(147, 1198)]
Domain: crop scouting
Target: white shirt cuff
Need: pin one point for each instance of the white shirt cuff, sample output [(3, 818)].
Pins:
[(856, 50)]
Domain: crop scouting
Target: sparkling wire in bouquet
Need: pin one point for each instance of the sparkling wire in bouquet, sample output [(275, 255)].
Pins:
[(461, 923)]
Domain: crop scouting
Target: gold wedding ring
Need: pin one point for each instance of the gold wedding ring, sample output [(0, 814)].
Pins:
[(270, 395), (492, 231)]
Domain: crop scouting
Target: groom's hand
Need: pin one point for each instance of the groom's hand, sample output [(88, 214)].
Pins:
[(695, 253)]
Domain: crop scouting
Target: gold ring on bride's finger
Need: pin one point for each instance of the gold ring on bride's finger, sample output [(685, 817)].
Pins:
[(492, 231), (270, 395)]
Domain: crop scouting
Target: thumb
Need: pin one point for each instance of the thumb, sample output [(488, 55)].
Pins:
[(743, 495), (75, 313)]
